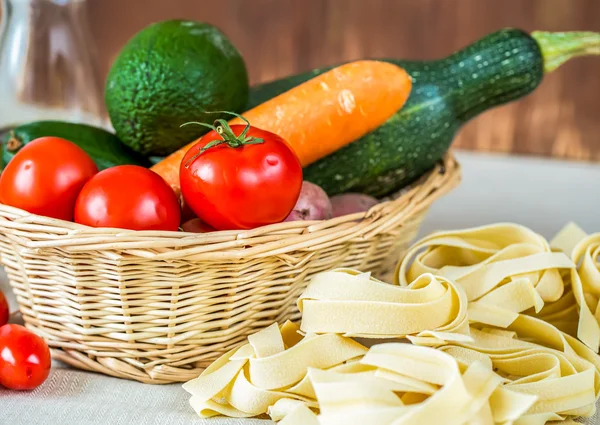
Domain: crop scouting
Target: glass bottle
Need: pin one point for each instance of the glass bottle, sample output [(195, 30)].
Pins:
[(47, 64)]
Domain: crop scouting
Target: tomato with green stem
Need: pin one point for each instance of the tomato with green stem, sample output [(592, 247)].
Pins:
[(240, 177)]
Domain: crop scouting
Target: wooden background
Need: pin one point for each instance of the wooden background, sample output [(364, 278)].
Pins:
[(281, 37)]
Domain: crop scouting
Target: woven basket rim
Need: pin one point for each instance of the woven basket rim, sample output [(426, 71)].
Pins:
[(36, 232)]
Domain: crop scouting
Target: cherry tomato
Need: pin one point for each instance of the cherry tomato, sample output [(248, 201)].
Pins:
[(4, 313), (24, 358), (241, 183), (128, 197), (45, 177)]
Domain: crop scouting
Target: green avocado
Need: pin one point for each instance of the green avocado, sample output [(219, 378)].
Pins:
[(170, 73), (102, 146)]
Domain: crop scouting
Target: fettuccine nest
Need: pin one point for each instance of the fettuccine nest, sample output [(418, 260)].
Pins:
[(490, 325)]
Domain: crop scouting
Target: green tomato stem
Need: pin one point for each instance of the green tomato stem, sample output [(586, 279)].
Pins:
[(222, 128)]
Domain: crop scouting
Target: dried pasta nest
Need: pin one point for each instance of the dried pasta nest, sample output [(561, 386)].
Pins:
[(159, 307)]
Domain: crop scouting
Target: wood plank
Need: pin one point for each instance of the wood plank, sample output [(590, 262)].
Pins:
[(282, 37)]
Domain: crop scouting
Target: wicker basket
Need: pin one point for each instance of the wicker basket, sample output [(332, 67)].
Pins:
[(158, 307)]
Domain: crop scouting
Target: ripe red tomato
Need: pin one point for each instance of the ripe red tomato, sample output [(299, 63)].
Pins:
[(45, 177), (241, 187), (128, 197), (24, 358), (4, 313)]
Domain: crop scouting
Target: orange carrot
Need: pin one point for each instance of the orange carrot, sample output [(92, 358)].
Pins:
[(323, 114)]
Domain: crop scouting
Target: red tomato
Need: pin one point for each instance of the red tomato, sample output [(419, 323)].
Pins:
[(128, 197), (45, 177), (241, 187), (24, 358), (4, 313)]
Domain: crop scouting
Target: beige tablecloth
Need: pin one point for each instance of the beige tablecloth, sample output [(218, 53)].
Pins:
[(543, 195), (80, 398)]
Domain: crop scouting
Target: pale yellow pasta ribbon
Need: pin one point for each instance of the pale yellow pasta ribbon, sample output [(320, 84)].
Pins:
[(586, 288), (585, 280), (355, 304), (504, 265), (564, 382), (508, 367), (272, 366), (475, 396)]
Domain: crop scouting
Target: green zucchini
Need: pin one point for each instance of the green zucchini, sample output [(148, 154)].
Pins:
[(102, 146), (501, 67)]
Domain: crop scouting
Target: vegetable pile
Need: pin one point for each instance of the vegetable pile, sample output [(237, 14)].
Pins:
[(196, 149)]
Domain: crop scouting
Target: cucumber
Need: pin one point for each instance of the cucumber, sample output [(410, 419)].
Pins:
[(501, 67), (103, 147)]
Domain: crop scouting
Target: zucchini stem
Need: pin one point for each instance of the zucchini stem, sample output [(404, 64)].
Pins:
[(558, 47)]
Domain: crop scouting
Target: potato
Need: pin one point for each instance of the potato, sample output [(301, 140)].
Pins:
[(313, 204), (350, 203)]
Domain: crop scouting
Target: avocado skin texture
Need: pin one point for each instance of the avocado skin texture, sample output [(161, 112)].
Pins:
[(168, 74)]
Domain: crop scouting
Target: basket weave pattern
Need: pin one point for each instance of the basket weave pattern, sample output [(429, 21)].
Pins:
[(158, 307)]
